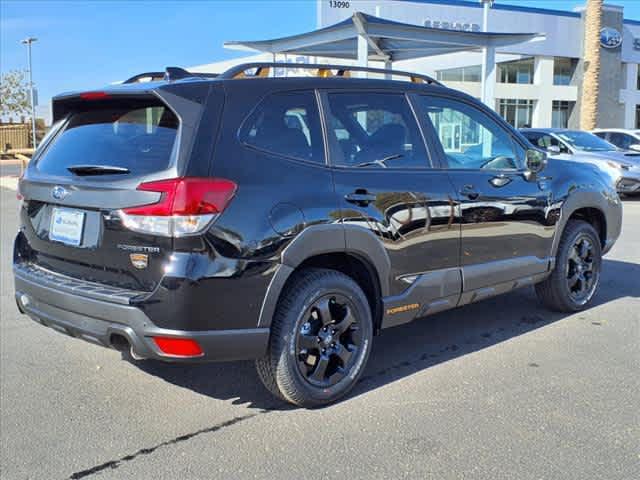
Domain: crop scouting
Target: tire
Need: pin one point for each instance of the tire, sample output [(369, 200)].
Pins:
[(320, 340), (558, 292)]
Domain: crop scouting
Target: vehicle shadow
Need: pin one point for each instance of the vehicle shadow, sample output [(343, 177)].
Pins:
[(405, 350)]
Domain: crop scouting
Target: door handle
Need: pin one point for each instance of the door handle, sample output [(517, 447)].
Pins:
[(500, 181), (470, 192), (360, 197)]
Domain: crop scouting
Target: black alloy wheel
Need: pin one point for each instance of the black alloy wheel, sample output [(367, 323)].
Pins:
[(320, 339), (574, 281), (328, 341), (581, 271)]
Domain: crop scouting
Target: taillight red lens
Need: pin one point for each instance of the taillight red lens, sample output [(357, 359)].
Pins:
[(186, 196), (178, 347), (94, 95)]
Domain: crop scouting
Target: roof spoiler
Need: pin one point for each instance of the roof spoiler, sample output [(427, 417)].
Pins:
[(170, 74)]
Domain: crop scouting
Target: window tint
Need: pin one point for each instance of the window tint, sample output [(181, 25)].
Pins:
[(139, 138), (622, 140), (602, 135), (471, 139), (533, 137), (286, 124), (545, 141), (374, 130)]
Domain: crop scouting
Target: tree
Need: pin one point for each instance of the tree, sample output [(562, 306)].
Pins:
[(14, 94), (593, 24)]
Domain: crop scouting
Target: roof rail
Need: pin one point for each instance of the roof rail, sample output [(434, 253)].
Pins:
[(170, 74), (324, 71)]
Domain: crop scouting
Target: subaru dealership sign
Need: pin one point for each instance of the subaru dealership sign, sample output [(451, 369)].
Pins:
[(610, 38)]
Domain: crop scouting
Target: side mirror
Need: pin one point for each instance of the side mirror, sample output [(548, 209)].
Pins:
[(635, 147), (554, 149), (536, 161)]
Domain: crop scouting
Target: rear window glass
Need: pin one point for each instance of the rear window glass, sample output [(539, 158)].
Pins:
[(139, 138)]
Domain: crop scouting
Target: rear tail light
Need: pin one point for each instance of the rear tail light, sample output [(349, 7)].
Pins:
[(94, 96), (186, 206), (178, 347)]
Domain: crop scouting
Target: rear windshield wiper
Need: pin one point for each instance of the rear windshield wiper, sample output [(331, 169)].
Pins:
[(97, 170)]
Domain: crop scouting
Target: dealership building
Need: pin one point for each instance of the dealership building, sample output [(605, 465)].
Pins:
[(537, 83)]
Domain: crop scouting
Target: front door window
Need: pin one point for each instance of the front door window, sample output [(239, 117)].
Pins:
[(469, 138), (375, 130)]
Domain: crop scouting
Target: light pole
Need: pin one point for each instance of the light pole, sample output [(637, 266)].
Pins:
[(488, 60), (28, 41)]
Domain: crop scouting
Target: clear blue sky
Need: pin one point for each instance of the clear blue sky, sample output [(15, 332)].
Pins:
[(86, 44)]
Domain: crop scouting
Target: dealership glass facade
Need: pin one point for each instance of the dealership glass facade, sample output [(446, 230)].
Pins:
[(519, 71), (461, 74), (563, 70), (560, 113), (517, 112)]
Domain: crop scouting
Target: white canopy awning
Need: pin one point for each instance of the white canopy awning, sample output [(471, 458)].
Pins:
[(364, 37), (386, 40)]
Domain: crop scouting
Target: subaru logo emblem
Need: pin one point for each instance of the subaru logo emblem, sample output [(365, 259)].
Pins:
[(610, 38), (59, 192)]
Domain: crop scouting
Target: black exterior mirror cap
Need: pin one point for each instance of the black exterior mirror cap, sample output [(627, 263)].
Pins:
[(536, 160)]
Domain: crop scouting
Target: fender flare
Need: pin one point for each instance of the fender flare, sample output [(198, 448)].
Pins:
[(575, 201), (322, 239)]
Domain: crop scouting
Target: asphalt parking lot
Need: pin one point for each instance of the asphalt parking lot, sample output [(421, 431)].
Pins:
[(496, 390)]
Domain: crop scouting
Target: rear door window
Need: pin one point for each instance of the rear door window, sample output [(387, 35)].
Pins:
[(139, 138), (286, 124)]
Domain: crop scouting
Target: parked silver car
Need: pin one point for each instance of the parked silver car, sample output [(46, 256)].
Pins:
[(620, 137), (623, 166)]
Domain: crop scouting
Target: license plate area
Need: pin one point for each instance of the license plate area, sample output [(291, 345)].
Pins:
[(67, 226)]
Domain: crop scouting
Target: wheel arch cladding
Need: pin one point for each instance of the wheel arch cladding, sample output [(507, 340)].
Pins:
[(592, 207), (325, 246)]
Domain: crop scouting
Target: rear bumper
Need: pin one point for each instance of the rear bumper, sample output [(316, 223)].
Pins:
[(107, 318)]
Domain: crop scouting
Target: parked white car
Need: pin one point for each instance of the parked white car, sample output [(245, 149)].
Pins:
[(620, 137), (623, 166)]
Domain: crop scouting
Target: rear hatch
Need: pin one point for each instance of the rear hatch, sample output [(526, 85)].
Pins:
[(90, 171)]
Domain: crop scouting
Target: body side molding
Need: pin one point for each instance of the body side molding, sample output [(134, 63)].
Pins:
[(431, 292), (478, 276)]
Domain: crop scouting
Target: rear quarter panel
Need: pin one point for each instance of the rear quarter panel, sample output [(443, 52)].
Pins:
[(277, 198)]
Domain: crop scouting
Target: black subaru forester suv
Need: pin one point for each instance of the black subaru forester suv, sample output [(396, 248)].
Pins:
[(289, 220)]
